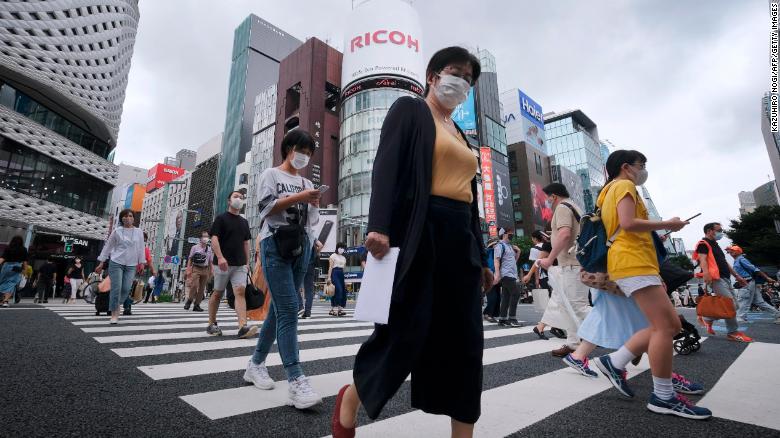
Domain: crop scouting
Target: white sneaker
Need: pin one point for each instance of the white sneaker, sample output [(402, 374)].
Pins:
[(302, 395), (258, 375)]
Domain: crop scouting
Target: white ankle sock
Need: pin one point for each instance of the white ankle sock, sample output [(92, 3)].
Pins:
[(663, 388), (622, 357)]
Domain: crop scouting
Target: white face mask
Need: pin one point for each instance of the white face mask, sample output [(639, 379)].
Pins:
[(204, 240), (340, 250), (236, 203), (718, 235), (299, 161), (549, 203), (641, 177), (451, 90)]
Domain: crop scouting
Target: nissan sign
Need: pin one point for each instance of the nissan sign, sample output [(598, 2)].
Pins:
[(383, 38)]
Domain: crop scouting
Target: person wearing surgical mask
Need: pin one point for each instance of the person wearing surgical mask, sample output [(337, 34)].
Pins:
[(716, 273), (289, 200), (424, 202), (125, 251), (198, 271), (337, 263), (230, 237)]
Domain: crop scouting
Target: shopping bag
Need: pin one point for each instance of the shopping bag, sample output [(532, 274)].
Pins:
[(330, 290), (258, 280), (138, 291), (105, 285), (716, 307), (541, 297)]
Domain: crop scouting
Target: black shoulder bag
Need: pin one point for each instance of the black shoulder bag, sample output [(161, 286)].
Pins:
[(290, 238)]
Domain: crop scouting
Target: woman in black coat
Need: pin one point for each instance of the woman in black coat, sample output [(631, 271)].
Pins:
[(424, 200)]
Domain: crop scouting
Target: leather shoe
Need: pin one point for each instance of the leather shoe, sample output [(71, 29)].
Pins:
[(337, 430), (563, 351)]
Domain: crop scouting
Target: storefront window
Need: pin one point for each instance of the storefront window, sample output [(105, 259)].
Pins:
[(27, 171), (21, 103)]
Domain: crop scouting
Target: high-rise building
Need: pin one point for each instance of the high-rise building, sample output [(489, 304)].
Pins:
[(747, 203), (766, 194), (524, 119), (201, 200), (573, 141), (529, 170), (127, 175), (258, 48), (383, 60), (309, 88), (63, 73), (187, 159), (263, 128), (208, 150), (771, 139)]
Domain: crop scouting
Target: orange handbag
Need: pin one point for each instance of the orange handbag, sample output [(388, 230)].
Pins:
[(258, 279), (716, 307)]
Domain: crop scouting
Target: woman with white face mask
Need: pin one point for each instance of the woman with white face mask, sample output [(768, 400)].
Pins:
[(289, 206), (337, 262), (125, 249), (424, 201), (76, 276)]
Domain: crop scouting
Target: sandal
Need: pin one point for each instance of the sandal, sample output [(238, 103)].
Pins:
[(342, 313)]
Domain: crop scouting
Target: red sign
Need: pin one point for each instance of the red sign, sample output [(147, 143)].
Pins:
[(488, 191), (383, 37), (161, 174)]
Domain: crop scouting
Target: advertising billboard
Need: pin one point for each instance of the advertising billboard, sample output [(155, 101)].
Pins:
[(383, 38), (134, 199), (465, 115), (161, 174), (503, 196), (174, 222), (326, 230), (488, 190), (524, 119)]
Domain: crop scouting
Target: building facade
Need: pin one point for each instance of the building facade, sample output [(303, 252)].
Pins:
[(529, 170), (163, 221), (187, 159), (771, 139), (573, 142), (309, 88), (63, 73), (747, 203), (258, 48), (263, 127), (201, 200), (378, 67), (127, 177), (766, 194)]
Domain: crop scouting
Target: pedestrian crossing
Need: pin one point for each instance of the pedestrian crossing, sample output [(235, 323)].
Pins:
[(169, 345)]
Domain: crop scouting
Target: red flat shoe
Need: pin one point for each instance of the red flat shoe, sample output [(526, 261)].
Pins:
[(337, 430)]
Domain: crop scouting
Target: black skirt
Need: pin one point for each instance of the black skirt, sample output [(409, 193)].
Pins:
[(434, 329)]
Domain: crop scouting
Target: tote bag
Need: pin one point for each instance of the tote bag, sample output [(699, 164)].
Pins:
[(716, 307)]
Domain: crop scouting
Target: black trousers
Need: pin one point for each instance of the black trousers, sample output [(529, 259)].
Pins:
[(510, 295), (493, 306), (434, 330)]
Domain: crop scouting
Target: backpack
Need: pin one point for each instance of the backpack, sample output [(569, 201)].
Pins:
[(490, 261), (592, 246)]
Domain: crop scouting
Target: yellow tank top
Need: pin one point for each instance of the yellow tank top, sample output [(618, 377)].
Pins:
[(454, 166)]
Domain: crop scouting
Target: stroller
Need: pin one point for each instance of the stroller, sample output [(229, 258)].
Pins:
[(687, 341)]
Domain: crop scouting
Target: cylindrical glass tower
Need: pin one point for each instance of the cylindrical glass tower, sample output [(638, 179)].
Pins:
[(382, 62)]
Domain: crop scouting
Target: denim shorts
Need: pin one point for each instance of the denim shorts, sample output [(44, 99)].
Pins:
[(236, 275), (629, 285)]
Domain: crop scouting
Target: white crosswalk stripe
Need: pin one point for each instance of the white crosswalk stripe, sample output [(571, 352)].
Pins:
[(170, 344)]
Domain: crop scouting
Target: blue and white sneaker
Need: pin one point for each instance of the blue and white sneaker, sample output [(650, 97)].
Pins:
[(580, 365), (678, 405), (616, 376), (685, 386)]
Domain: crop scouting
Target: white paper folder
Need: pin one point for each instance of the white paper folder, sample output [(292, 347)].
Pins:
[(373, 302)]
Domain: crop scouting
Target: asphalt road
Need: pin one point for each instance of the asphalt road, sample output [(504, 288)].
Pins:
[(80, 377)]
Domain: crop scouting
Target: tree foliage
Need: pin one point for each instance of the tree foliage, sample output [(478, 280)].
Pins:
[(525, 244), (682, 261), (756, 233)]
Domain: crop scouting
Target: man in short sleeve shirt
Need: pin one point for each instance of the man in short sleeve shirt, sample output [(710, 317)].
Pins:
[(568, 305), (230, 239)]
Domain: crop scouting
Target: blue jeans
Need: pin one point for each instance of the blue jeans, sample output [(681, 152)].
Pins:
[(284, 279), (121, 280), (308, 285), (339, 298), (750, 296)]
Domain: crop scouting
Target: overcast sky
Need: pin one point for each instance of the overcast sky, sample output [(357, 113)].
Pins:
[(680, 81)]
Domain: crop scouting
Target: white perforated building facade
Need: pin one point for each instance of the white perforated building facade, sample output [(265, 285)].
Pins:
[(63, 73)]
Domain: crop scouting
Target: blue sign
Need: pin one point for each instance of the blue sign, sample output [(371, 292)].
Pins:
[(175, 260), (353, 275), (465, 114), (531, 110)]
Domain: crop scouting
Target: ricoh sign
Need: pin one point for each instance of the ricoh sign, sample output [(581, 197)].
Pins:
[(383, 38)]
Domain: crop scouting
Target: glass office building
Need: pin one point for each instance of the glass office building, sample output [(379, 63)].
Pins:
[(63, 74), (362, 115), (573, 142)]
